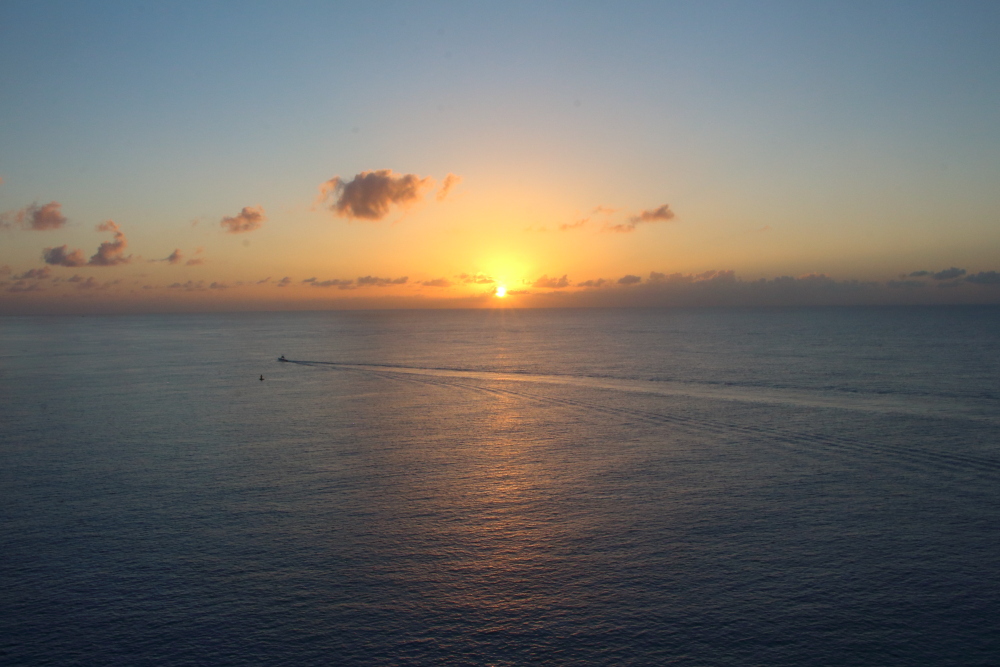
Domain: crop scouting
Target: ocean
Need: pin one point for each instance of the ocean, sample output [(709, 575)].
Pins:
[(800, 486)]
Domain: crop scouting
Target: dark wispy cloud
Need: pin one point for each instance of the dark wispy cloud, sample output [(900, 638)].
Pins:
[(247, 220), (91, 284), (948, 274), (984, 278), (449, 183), (62, 256), (582, 222), (656, 277), (177, 257), (31, 280), (919, 274), (660, 214), (374, 281), (551, 283), (569, 226), (43, 273), (371, 194), (336, 282), (196, 261), (25, 286), (284, 282), (47, 216), (724, 288), (189, 286), (476, 278), (437, 282)]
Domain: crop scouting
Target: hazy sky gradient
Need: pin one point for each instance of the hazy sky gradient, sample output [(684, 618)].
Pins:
[(854, 140)]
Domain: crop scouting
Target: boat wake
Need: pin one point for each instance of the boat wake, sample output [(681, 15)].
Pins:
[(928, 457), (925, 406)]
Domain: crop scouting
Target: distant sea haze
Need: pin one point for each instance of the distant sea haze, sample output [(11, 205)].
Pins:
[(769, 486)]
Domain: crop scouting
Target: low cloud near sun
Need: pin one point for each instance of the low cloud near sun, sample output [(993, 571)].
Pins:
[(370, 195), (109, 253), (247, 220)]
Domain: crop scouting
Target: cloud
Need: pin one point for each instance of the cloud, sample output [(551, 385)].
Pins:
[(948, 274), (247, 220), (450, 181), (189, 286), (567, 226), (218, 286), (437, 282), (984, 278), (110, 253), (43, 273), (599, 210), (60, 257), (371, 194), (373, 281), (629, 280), (339, 284), (284, 282), (551, 283), (919, 274), (661, 214), (22, 286), (592, 283), (48, 216), (91, 284), (176, 257), (476, 278), (30, 280)]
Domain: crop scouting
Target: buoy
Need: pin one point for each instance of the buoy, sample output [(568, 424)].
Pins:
[(261, 378)]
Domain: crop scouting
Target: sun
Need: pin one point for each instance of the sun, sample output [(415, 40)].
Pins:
[(500, 291)]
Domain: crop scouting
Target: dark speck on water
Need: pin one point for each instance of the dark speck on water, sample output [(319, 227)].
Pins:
[(594, 487)]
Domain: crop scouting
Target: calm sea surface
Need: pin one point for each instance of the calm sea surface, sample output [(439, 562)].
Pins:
[(607, 487)]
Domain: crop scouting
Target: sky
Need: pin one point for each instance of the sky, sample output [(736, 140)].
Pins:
[(197, 156)]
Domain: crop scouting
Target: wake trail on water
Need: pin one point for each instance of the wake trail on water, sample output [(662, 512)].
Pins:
[(922, 406), (812, 443)]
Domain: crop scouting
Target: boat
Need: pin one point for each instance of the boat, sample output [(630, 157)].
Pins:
[(282, 358)]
